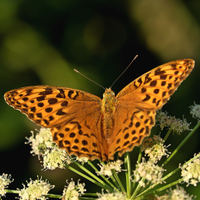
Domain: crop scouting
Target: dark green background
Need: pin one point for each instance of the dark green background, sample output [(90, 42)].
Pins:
[(41, 42)]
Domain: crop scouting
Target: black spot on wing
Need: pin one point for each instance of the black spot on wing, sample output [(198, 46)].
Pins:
[(47, 91), (61, 94)]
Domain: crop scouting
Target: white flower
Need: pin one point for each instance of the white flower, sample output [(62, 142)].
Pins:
[(43, 146), (176, 194), (35, 190), (148, 172), (106, 170), (175, 124), (112, 196), (55, 158), (82, 159), (155, 148), (73, 192), (195, 111), (190, 171), (5, 180), (41, 141)]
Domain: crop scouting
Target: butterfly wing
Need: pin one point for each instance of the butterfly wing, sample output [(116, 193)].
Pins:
[(74, 117), (136, 104)]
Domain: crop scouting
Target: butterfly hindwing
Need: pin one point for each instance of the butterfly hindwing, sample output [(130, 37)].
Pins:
[(131, 126)]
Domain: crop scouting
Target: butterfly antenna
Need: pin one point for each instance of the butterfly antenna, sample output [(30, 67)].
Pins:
[(89, 79), (124, 71)]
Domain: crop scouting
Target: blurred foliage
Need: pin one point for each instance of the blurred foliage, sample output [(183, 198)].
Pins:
[(41, 42)]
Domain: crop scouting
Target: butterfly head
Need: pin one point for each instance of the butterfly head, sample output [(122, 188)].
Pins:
[(108, 92)]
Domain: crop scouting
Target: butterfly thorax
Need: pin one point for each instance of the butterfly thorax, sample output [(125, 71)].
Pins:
[(108, 110)]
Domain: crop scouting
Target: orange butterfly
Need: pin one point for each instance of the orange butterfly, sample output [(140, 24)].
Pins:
[(88, 126)]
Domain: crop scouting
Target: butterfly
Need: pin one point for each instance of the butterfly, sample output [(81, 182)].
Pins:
[(88, 126)]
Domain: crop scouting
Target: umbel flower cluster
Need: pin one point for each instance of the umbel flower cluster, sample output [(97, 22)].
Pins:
[(148, 178)]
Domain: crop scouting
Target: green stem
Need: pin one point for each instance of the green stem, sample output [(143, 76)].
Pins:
[(182, 143), (136, 190), (118, 181), (159, 189), (138, 161), (100, 183), (12, 191), (169, 185), (112, 177), (91, 194), (149, 190), (128, 173), (167, 135), (139, 156), (55, 196)]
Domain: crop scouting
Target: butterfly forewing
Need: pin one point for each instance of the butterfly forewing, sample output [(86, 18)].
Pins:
[(154, 88), (87, 126)]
